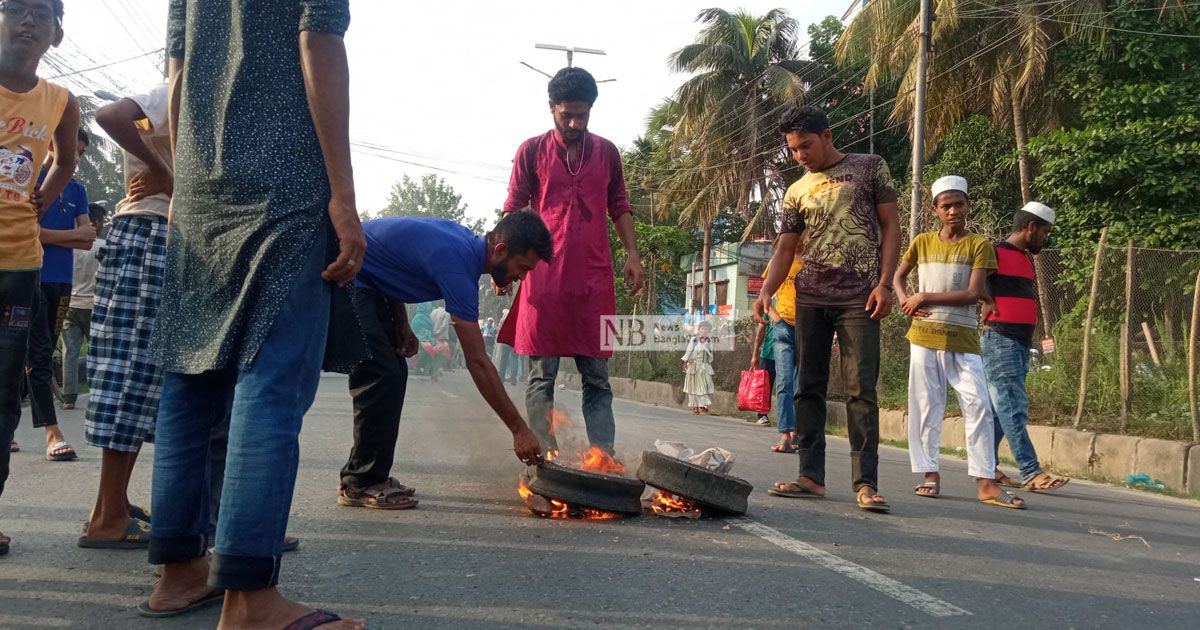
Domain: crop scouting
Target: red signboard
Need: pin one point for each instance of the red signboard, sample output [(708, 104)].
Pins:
[(754, 288)]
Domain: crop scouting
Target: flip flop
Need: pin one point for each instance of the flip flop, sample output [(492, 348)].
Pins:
[(783, 447), (214, 596), (867, 492), (136, 536), (1005, 500), (1006, 481), (314, 619), (804, 493), (1054, 483), (936, 486), (290, 543), (13, 447), (140, 513), (67, 455)]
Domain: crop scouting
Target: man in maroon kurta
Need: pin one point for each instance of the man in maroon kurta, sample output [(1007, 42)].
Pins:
[(574, 181)]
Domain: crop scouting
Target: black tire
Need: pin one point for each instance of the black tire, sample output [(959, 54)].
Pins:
[(585, 489), (711, 490)]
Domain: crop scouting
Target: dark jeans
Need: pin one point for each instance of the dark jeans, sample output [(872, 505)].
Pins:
[(265, 404), (50, 309), (597, 401), (858, 342), (18, 293), (377, 387)]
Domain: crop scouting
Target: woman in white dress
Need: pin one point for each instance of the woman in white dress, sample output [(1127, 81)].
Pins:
[(698, 375)]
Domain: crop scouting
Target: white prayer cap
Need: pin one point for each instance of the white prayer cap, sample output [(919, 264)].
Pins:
[(1041, 211), (949, 182)]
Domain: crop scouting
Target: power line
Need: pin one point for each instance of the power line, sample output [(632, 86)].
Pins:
[(105, 65)]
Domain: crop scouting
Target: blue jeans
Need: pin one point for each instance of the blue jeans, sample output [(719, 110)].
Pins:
[(268, 402), (784, 335), (1005, 363), (597, 401)]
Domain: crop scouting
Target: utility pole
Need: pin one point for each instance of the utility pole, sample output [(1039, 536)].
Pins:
[(918, 142)]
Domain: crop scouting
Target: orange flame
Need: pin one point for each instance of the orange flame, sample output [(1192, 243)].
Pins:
[(597, 461), (665, 503), (558, 419), (546, 507)]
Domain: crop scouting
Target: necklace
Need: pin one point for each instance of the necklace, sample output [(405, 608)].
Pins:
[(582, 157)]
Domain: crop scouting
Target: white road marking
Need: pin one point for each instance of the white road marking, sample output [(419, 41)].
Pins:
[(448, 394), (882, 583)]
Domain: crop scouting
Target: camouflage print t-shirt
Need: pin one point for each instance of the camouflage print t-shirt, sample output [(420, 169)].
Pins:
[(835, 209)]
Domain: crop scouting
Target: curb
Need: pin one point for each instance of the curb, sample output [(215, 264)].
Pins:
[(1079, 453)]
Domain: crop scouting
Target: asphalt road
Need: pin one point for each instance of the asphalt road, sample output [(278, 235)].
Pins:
[(472, 557)]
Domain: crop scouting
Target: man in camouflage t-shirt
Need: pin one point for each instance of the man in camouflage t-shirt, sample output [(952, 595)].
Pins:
[(845, 208)]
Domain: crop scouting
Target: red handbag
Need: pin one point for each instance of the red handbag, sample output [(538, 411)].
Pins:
[(754, 391)]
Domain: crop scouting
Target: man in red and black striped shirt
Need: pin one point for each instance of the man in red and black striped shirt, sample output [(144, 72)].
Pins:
[(1010, 313)]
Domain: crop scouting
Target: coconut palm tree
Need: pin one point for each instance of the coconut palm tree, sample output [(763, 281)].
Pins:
[(723, 144), (991, 58)]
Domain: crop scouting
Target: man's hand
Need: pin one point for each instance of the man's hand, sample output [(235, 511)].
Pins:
[(988, 310), (879, 304), (352, 243), (38, 200), (85, 232), (154, 181), (912, 305), (501, 290), (754, 362), (633, 274), (407, 344), (527, 447), (764, 302)]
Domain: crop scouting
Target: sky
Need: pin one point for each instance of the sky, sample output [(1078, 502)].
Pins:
[(437, 86)]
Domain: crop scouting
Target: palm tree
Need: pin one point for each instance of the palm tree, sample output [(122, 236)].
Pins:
[(723, 144), (992, 59)]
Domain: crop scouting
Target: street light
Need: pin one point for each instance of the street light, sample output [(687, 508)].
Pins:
[(570, 50)]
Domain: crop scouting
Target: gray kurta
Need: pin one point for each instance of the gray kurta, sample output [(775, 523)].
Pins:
[(251, 190)]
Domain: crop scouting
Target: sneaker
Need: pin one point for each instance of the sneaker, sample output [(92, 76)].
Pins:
[(763, 421)]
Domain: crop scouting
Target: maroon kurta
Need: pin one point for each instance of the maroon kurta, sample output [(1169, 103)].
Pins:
[(558, 307)]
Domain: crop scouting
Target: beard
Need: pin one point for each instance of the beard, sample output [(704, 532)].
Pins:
[(499, 274)]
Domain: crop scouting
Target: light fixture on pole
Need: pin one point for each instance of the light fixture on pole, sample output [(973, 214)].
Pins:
[(570, 50)]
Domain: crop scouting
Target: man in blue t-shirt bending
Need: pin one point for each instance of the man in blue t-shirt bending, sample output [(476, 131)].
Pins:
[(409, 261)]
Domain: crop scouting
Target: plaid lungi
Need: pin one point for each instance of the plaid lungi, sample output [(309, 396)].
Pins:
[(123, 375)]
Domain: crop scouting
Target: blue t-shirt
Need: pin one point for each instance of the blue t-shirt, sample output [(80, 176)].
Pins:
[(421, 260), (58, 262)]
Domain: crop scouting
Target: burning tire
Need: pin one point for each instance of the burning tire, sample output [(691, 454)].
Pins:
[(576, 487), (709, 489)]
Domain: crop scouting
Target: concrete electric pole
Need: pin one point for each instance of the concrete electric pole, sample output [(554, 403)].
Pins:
[(918, 142)]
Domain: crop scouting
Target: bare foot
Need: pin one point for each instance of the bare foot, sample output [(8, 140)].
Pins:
[(267, 609), (182, 584)]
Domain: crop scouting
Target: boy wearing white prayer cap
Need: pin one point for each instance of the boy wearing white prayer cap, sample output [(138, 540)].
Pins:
[(944, 337), (1010, 315)]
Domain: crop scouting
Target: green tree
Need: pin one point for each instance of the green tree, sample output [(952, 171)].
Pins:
[(1130, 159), (990, 59), (431, 197), (985, 155), (842, 93), (724, 147)]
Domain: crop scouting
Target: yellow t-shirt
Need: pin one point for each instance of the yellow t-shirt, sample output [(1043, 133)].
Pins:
[(943, 267), (27, 124), (785, 297)]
